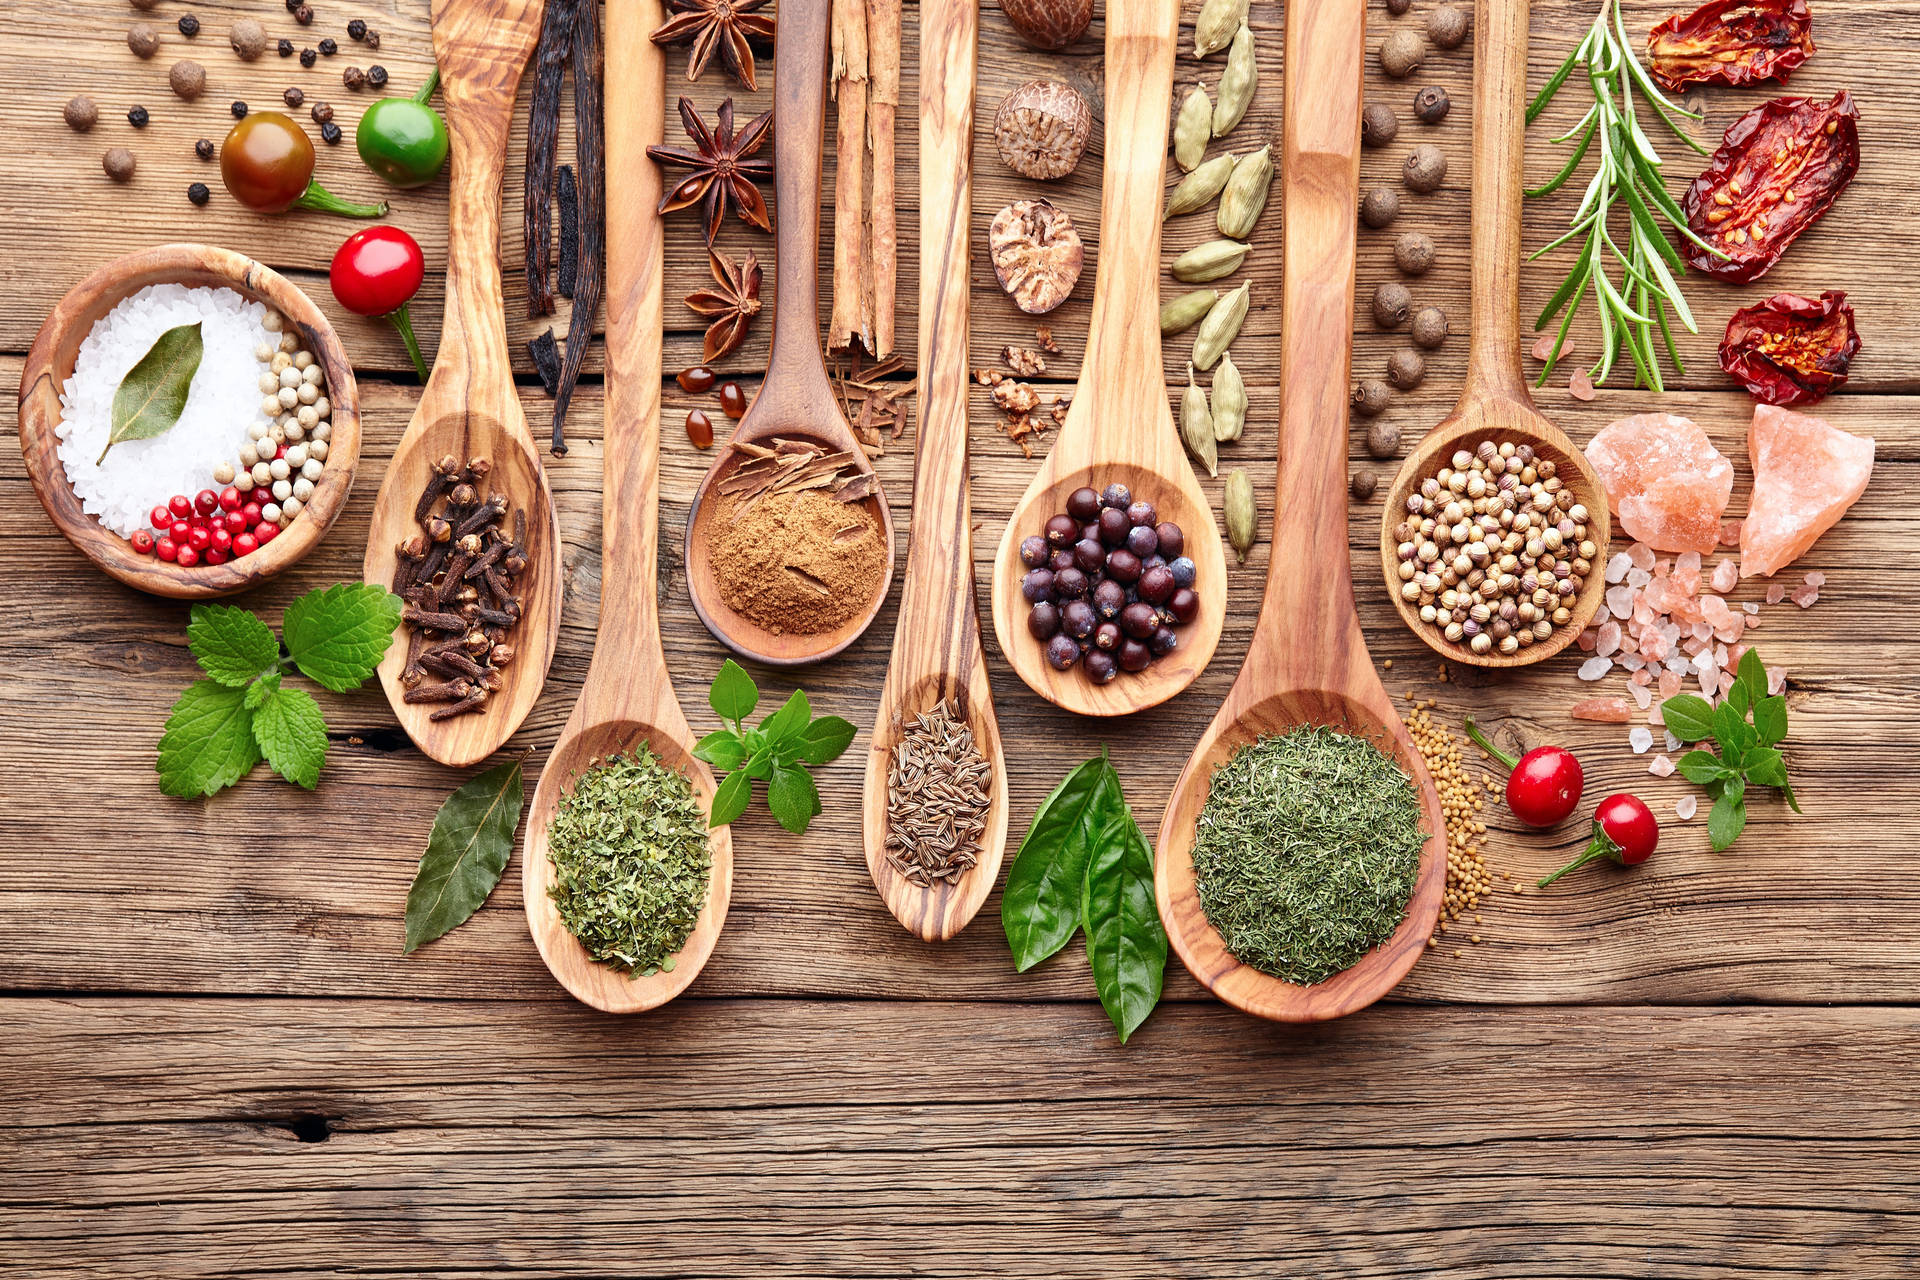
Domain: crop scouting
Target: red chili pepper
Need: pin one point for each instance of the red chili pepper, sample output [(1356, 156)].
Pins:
[(1731, 42), (1778, 170), (376, 273), (1543, 786), (1790, 349), (1624, 831)]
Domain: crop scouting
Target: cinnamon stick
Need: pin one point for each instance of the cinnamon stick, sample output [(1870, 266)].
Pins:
[(851, 318), (883, 63)]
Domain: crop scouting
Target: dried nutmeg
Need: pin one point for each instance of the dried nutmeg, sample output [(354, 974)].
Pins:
[(1429, 327), (1401, 53), (1048, 24), (1431, 104), (143, 40), (80, 113), (1391, 304), (1042, 129), (1371, 397), (248, 38), (1405, 369), (1413, 252), (1447, 26), (1378, 124), (1383, 440), (1379, 207), (1036, 253), (1425, 168), (187, 78)]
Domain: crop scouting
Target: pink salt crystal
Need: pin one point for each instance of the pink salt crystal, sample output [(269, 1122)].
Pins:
[(1714, 613), (1661, 766), (1579, 385), (1685, 807), (1776, 592), (1640, 555), (1641, 679), (1608, 639), (1804, 596), (1587, 639), (1726, 575), (1653, 647), (1605, 710), (1640, 738), (1642, 696), (1776, 680), (1620, 601), (1595, 668), (1816, 579), (1543, 347), (1727, 679), (1669, 683), (1710, 682), (1730, 533), (1806, 474), (1627, 659), (1752, 607), (1664, 480), (1655, 715), (1617, 566)]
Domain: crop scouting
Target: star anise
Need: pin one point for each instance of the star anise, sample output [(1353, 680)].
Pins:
[(722, 173), (722, 26), (733, 300)]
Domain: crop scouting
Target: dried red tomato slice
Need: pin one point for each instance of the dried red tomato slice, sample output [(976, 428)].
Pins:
[(1731, 42), (1790, 349), (1778, 169)]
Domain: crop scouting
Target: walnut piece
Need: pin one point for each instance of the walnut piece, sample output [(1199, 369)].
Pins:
[(1037, 254), (1025, 362)]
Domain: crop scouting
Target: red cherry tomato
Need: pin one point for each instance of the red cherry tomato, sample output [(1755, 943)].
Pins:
[(1624, 831), (376, 273), (1543, 786)]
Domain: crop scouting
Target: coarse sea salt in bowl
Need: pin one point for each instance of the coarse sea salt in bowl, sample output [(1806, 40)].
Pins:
[(64, 417)]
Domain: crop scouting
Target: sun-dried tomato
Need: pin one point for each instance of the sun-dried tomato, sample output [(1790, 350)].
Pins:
[(1778, 169), (1790, 349), (1731, 42)]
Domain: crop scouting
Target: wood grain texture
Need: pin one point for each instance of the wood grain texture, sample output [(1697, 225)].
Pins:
[(51, 362)]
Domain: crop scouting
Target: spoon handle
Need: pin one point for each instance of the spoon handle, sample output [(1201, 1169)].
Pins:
[(1499, 131), (799, 133)]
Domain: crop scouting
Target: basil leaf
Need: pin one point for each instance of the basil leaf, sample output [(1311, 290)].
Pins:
[(468, 848), (760, 764), (152, 396), (1766, 766), (1688, 716), (1126, 945), (792, 798), (733, 695), (731, 799), (230, 644), (1728, 819), (292, 734), (1700, 767), (1792, 799), (1040, 907), (338, 636), (825, 740), (790, 720), (722, 749), (1735, 735), (1752, 676), (1770, 719), (208, 743), (1739, 699)]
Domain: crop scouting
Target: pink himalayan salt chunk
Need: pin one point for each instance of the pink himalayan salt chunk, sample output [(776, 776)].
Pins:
[(1806, 474), (1714, 614), (1730, 533), (1604, 710), (1656, 716), (1669, 683), (1640, 556), (1804, 596), (1816, 579), (1642, 696), (1727, 679), (1776, 592), (1661, 766), (1587, 639), (1608, 639), (1641, 678), (1726, 575), (1664, 479), (1685, 807), (1595, 668), (1776, 680)]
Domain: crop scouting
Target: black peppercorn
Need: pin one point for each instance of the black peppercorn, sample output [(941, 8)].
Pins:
[(353, 77), (198, 193), (308, 57), (292, 5), (293, 97), (377, 76), (189, 25), (328, 47), (204, 148), (373, 39), (329, 133), (239, 110), (322, 112), (357, 29), (137, 117), (286, 47), (303, 15)]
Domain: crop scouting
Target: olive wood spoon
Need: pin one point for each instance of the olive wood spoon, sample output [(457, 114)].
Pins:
[(1495, 404), (628, 698), (796, 400), (470, 408), (936, 643), (1119, 428), (1308, 663)]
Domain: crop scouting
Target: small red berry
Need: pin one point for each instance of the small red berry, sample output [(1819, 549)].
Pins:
[(187, 557), (221, 539), (252, 512), (230, 499), (142, 541), (165, 549), (181, 505), (161, 516), (236, 522), (198, 538), (215, 556), (178, 530), (205, 501), (280, 452), (266, 531), (244, 544)]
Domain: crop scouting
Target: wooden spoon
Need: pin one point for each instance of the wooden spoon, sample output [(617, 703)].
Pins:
[(936, 644), (1494, 404), (1120, 429), (628, 697), (1308, 663), (470, 408), (796, 400)]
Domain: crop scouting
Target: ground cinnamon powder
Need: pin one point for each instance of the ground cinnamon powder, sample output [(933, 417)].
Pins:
[(797, 563)]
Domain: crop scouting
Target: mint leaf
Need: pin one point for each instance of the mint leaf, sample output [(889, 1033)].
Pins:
[(733, 695), (722, 749), (1770, 719), (789, 720), (825, 740), (792, 798), (731, 799), (1689, 717), (262, 689), (1701, 767), (1728, 819), (468, 848), (231, 644), (338, 636), (208, 743), (292, 735), (1766, 766)]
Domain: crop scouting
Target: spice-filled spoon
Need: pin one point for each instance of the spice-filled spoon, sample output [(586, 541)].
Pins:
[(1119, 430), (1495, 405), (1308, 663), (769, 461), (937, 658), (470, 408), (628, 699)]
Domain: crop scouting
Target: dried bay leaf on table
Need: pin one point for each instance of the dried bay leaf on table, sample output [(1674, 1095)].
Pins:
[(151, 398), (472, 839)]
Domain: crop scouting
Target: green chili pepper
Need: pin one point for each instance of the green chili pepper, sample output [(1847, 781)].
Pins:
[(403, 139)]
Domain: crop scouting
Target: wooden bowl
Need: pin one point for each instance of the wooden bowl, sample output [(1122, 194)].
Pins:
[(1570, 465), (50, 364)]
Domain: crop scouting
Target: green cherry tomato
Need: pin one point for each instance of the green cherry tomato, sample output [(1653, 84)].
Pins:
[(403, 139), (267, 165)]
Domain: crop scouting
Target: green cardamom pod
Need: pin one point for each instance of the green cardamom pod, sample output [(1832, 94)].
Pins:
[(1186, 311), (1242, 516), (1245, 194), (1196, 425), (1192, 129), (1229, 401), (1200, 186), (1214, 27), (1209, 261), (1237, 84), (1221, 326)]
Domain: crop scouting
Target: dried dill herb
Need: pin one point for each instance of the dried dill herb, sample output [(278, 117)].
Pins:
[(1307, 851), (631, 863)]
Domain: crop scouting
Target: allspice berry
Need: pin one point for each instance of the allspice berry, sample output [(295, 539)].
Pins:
[(143, 39), (1405, 369), (1371, 397), (118, 162), (1383, 440), (1425, 169), (1431, 104), (188, 79), (1401, 53), (1429, 327), (144, 6), (1362, 485), (1447, 26), (1413, 252), (80, 113), (1378, 124), (1398, 7), (1391, 304), (248, 38), (1379, 207)]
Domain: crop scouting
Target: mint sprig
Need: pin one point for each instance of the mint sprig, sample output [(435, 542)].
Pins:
[(1745, 728), (777, 753), (242, 714)]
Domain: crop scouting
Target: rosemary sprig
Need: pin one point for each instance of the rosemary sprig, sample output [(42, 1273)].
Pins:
[(1626, 174)]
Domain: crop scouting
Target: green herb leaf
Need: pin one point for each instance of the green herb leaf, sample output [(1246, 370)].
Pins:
[(730, 800), (760, 764), (468, 848), (230, 644), (292, 734), (733, 695), (1752, 676), (1733, 732), (1688, 716), (152, 396), (1766, 766), (1126, 945), (1701, 767), (1770, 718), (1728, 819), (722, 749), (338, 636), (790, 720), (1739, 699), (792, 798), (1041, 905), (825, 740), (262, 689), (208, 743)]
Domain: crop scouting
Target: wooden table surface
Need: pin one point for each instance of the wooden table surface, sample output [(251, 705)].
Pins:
[(218, 1062)]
